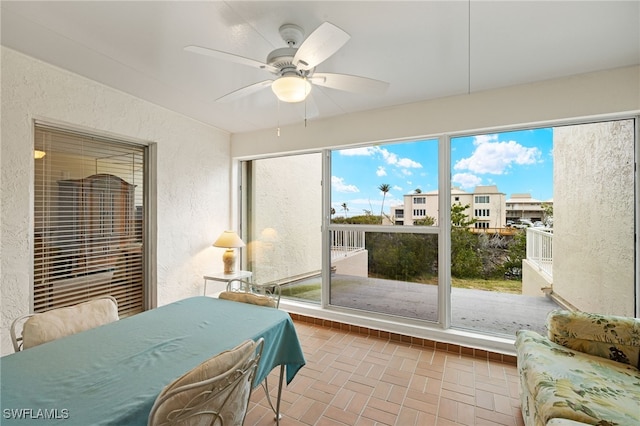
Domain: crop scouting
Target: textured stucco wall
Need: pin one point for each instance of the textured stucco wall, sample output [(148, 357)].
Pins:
[(193, 166), (593, 216), (287, 197)]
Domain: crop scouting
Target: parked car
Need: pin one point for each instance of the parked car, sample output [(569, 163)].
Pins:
[(523, 223)]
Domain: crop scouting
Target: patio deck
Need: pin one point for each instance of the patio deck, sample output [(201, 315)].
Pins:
[(476, 310)]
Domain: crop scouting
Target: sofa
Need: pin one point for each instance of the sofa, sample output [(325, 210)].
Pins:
[(585, 371)]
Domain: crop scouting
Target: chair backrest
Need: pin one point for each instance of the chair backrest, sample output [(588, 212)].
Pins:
[(16, 331), (51, 325), (216, 392), (246, 292)]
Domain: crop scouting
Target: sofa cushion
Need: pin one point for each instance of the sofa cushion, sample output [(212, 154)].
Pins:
[(608, 336), (565, 383)]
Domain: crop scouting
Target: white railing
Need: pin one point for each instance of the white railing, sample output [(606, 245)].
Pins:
[(540, 249), (345, 243)]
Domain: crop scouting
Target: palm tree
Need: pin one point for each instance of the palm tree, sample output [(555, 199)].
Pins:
[(344, 207), (418, 191), (385, 187)]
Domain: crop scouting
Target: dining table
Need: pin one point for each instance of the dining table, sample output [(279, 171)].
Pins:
[(112, 374)]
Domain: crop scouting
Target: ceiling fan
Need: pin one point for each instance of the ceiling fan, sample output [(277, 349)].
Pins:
[(294, 66)]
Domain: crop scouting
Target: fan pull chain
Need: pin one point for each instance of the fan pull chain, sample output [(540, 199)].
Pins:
[(305, 106)]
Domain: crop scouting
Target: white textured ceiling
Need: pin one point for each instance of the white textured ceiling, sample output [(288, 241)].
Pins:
[(424, 49)]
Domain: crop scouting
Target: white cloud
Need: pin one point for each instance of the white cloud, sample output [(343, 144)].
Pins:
[(364, 151), (491, 156), (389, 157), (480, 139), (338, 184), (408, 163), (466, 180), (397, 188), (381, 171), (393, 160)]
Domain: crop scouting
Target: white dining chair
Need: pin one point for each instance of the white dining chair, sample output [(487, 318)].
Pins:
[(247, 292), (243, 291), (216, 392), (32, 330)]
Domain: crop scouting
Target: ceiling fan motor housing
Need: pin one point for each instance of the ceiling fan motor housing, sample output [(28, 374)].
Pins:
[(283, 60)]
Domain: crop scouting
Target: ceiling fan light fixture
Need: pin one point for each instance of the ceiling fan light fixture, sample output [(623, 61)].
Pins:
[(291, 88)]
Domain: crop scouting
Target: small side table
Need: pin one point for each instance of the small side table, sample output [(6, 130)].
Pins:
[(225, 278)]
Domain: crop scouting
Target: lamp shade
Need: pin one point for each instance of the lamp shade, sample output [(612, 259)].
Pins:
[(291, 88), (229, 239)]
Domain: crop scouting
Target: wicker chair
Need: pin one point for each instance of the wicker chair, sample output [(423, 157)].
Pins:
[(216, 392), (32, 330), (246, 292), (263, 295)]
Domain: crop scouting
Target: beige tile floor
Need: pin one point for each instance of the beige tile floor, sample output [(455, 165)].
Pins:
[(353, 378)]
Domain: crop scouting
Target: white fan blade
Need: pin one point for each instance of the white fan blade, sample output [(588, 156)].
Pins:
[(326, 40), (218, 54), (349, 83), (245, 91)]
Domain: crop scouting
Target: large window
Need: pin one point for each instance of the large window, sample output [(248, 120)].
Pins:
[(535, 220), (88, 220)]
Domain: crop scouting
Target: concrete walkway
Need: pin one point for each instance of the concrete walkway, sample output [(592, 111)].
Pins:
[(477, 310)]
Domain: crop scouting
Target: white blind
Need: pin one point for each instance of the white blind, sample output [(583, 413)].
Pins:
[(88, 220)]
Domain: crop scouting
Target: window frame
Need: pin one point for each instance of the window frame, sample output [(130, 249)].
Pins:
[(443, 329)]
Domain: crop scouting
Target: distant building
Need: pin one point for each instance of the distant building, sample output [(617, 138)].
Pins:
[(487, 205), (522, 206)]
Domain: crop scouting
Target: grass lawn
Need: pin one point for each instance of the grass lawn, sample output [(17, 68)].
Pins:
[(311, 290), (501, 286)]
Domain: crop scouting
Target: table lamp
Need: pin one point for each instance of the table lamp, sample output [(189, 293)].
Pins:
[(229, 240)]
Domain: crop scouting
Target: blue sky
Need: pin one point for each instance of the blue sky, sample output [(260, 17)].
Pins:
[(517, 162)]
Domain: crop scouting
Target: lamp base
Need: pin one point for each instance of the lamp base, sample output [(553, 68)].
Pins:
[(229, 260)]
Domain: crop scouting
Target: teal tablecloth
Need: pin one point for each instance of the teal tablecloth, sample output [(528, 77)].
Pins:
[(112, 374)]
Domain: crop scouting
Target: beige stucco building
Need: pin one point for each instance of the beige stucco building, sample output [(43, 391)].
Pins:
[(486, 206)]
